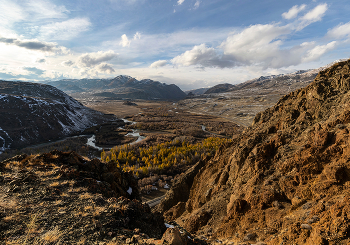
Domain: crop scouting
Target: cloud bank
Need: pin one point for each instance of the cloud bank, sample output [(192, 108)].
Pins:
[(34, 44), (93, 59), (159, 63), (263, 45)]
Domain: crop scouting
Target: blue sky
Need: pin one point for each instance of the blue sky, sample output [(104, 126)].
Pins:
[(192, 43)]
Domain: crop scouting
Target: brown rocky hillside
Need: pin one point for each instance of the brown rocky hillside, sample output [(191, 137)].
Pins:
[(284, 180), (63, 198)]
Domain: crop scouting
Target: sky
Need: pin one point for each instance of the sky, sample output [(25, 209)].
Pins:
[(191, 43)]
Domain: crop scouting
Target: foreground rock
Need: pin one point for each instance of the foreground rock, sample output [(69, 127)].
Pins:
[(63, 198), (286, 179)]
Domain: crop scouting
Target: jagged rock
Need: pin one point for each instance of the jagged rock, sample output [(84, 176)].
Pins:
[(306, 226), (295, 154), (172, 236), (175, 211), (180, 190)]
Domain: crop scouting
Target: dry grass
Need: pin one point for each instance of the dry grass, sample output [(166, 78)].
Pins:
[(118, 108), (7, 203), (55, 184), (89, 208), (98, 211), (114, 243), (80, 214), (86, 195), (63, 194), (33, 235), (12, 164), (58, 202), (51, 236), (46, 173), (82, 241), (79, 189)]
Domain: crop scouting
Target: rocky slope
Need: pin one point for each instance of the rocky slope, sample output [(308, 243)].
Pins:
[(63, 198), (32, 113), (121, 87), (285, 179), (241, 102), (197, 91), (220, 88)]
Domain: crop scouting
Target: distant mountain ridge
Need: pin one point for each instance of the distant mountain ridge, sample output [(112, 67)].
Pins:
[(297, 79), (33, 113), (121, 87)]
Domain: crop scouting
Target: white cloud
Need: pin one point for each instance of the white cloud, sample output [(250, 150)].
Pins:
[(67, 63), (105, 68), (125, 41), (40, 60), (202, 56), (93, 59), (40, 9), (317, 13), (179, 2), (293, 12), (170, 44), (137, 36), (196, 5), (255, 44), (341, 31), (65, 30), (318, 51), (34, 44), (53, 75), (158, 63), (312, 16), (10, 13)]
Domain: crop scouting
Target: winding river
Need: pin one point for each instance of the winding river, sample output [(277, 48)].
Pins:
[(91, 141), (135, 133)]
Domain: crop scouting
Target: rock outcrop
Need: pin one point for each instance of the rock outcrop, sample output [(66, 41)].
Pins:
[(63, 198), (285, 179)]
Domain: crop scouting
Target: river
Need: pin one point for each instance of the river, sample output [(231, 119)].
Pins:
[(135, 133), (92, 139)]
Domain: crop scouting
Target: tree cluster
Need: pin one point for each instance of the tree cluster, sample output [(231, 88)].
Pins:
[(143, 161)]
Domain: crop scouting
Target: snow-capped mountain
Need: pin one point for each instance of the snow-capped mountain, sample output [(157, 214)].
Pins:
[(32, 113), (120, 87)]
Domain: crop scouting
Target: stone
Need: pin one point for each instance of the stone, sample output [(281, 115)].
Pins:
[(172, 236), (249, 236), (306, 226)]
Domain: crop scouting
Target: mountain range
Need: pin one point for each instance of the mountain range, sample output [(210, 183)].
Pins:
[(120, 87), (32, 113)]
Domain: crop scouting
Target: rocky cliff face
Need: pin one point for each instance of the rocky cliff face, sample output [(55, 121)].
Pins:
[(285, 179), (32, 113)]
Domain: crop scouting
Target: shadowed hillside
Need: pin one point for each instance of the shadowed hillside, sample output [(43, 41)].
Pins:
[(32, 113), (120, 87), (285, 179)]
